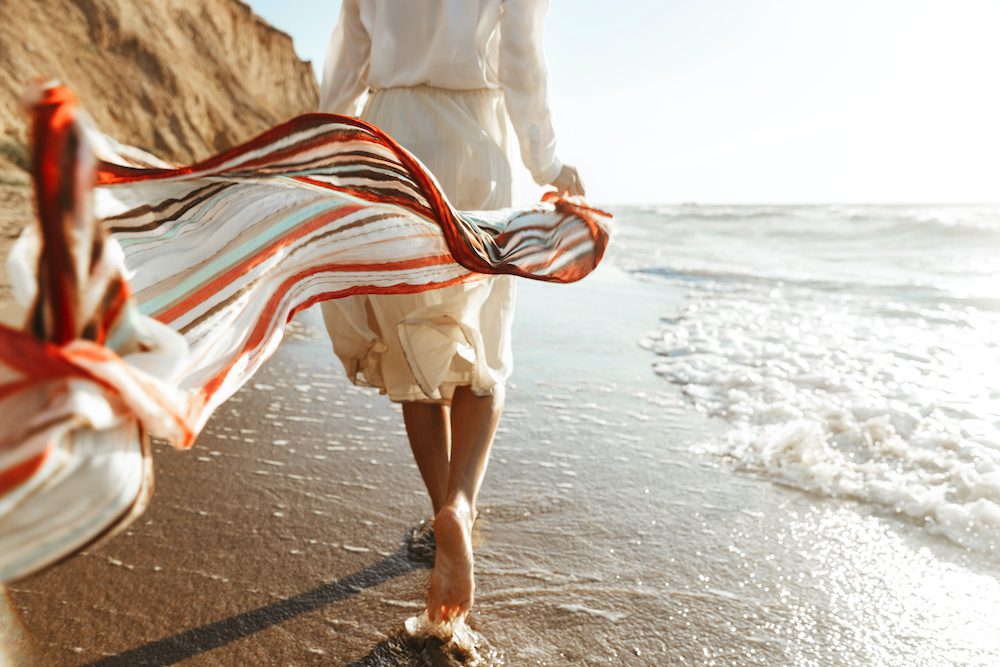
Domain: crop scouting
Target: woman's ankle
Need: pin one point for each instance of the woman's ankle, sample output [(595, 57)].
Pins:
[(459, 506)]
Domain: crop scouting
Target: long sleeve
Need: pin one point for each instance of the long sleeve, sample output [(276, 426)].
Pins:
[(345, 72), (524, 80)]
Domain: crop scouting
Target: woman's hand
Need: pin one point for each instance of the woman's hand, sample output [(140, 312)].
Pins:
[(568, 182)]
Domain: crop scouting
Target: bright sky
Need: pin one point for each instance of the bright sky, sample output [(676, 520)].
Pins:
[(761, 100)]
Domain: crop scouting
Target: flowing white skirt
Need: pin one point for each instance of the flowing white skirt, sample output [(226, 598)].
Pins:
[(419, 347)]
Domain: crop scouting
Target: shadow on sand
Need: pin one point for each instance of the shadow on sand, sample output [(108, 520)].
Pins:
[(198, 640)]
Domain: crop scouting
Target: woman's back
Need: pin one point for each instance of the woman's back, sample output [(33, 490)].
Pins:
[(443, 43), (457, 45)]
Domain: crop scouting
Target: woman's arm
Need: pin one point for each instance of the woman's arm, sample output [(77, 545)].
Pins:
[(524, 80), (345, 72)]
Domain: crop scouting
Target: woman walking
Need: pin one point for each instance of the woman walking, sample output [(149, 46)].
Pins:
[(442, 76)]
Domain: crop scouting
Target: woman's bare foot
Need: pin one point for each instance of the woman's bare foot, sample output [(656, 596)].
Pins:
[(452, 582)]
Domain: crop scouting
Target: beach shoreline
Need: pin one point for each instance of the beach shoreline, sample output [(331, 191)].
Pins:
[(604, 539)]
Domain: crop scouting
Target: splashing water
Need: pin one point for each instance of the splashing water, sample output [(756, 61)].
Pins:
[(843, 369), (454, 640)]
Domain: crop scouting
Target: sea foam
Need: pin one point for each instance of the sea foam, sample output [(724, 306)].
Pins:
[(853, 351), (827, 396)]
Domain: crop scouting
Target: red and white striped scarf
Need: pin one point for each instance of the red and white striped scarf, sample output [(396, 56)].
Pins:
[(152, 293)]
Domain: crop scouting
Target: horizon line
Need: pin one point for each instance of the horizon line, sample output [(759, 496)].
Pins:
[(801, 203)]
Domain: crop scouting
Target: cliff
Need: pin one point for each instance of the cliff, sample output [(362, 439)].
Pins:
[(182, 78)]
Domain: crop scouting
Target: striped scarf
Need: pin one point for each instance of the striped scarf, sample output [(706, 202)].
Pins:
[(152, 293)]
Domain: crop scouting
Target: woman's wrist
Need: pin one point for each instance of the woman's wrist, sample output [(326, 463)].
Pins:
[(548, 175)]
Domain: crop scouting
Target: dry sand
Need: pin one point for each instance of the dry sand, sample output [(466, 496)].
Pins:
[(603, 538)]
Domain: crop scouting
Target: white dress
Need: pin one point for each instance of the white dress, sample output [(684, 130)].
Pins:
[(441, 78)]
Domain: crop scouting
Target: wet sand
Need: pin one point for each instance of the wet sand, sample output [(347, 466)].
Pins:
[(603, 538)]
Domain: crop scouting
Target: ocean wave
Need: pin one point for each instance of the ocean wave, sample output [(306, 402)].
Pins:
[(930, 297), (694, 212), (945, 255), (830, 396), (879, 219)]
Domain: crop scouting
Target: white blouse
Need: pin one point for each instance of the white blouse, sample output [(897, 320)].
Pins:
[(455, 44)]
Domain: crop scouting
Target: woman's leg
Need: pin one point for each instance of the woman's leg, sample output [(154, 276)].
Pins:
[(429, 432), (474, 421)]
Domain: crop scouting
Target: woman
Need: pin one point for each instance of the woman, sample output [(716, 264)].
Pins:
[(442, 77)]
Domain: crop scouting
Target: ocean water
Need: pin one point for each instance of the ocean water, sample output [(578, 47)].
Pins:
[(853, 350)]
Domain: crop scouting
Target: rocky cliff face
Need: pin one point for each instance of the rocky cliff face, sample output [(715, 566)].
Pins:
[(181, 78)]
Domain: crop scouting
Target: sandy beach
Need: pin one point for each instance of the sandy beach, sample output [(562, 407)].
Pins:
[(604, 539)]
